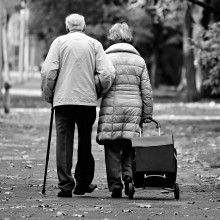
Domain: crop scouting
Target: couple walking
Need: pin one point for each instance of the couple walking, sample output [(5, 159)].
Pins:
[(75, 74)]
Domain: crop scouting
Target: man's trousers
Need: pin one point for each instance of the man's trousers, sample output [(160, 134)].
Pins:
[(66, 117)]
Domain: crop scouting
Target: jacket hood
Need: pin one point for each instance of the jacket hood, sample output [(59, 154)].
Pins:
[(122, 47)]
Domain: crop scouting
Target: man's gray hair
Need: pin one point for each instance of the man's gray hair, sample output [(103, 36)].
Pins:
[(120, 32), (75, 22)]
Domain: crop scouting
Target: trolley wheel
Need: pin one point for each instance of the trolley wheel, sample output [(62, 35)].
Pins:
[(176, 191), (131, 191)]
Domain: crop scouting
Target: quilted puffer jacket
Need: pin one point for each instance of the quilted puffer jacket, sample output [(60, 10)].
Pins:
[(130, 97)]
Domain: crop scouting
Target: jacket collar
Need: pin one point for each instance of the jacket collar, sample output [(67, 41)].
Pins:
[(122, 47), (76, 31)]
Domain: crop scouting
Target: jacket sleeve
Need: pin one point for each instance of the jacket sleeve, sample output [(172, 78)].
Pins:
[(146, 94), (105, 71), (49, 72)]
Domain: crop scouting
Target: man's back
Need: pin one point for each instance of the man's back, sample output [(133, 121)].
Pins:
[(75, 84), (68, 73)]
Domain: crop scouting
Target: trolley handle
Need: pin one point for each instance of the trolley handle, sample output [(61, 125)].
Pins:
[(158, 126)]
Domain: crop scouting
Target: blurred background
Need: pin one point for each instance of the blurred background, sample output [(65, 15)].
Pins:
[(179, 40)]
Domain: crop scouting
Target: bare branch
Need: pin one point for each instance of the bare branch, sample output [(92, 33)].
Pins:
[(204, 5)]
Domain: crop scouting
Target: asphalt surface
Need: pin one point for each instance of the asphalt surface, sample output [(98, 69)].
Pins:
[(23, 144)]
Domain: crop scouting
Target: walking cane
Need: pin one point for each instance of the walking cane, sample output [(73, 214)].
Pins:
[(48, 149)]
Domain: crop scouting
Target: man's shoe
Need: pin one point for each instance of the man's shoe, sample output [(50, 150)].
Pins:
[(117, 193), (63, 194), (79, 190)]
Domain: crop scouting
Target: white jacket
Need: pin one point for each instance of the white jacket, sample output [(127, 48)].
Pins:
[(73, 64)]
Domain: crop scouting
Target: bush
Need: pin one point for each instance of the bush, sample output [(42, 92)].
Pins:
[(208, 46)]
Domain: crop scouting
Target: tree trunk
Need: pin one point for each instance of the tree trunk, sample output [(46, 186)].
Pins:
[(21, 44), (7, 85), (154, 70), (206, 15), (198, 18), (32, 53), (26, 55), (182, 85), (191, 92), (1, 49)]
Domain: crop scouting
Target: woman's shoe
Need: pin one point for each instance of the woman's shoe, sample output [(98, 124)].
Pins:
[(129, 187), (117, 193), (64, 194)]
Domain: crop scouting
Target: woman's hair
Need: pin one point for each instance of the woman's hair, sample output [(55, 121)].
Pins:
[(120, 32), (75, 22)]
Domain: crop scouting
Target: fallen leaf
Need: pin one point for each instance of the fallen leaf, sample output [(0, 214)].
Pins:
[(3, 208), (127, 210), (106, 211), (39, 200), (160, 213), (191, 202), (78, 215), (26, 216), (8, 188), (98, 207), (52, 209), (8, 193), (20, 207), (144, 205), (60, 214)]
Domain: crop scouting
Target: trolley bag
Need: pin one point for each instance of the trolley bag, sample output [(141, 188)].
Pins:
[(154, 162)]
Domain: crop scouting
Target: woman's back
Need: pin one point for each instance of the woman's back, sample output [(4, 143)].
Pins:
[(125, 90), (121, 107)]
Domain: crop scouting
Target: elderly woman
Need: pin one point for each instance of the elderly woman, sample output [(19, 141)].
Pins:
[(128, 103)]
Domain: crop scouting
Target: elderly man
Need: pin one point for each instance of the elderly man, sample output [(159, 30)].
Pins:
[(75, 68)]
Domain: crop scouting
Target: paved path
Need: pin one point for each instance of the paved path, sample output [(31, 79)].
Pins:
[(23, 140)]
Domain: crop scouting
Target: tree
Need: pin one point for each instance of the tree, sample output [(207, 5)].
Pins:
[(1, 49), (158, 27), (172, 13), (207, 45), (48, 16), (191, 92), (152, 36), (209, 56)]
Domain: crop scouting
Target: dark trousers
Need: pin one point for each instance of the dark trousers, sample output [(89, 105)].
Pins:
[(118, 162), (66, 117)]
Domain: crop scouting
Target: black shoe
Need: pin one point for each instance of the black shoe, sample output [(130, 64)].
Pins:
[(63, 194), (81, 190), (117, 193), (129, 186)]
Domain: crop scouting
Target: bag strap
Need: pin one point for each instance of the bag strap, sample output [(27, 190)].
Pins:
[(158, 126)]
